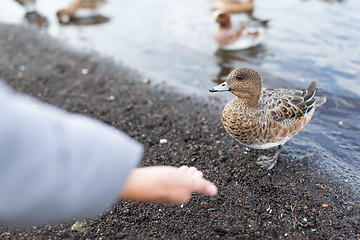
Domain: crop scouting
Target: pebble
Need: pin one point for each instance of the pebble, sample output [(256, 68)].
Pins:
[(204, 204), (146, 80), (84, 71), (78, 226), (163, 141), (111, 98)]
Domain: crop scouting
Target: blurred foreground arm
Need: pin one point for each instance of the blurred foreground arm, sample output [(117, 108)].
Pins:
[(55, 165)]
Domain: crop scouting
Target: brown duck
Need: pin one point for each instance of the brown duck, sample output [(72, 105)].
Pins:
[(267, 118)]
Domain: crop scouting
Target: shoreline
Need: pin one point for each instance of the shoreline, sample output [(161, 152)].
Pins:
[(286, 202)]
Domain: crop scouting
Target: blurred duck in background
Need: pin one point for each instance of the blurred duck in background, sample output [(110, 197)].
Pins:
[(234, 6), (82, 12), (238, 31), (28, 4), (32, 16)]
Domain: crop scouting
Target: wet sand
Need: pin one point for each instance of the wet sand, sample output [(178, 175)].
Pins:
[(293, 201)]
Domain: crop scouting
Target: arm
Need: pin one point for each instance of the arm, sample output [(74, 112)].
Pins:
[(55, 165)]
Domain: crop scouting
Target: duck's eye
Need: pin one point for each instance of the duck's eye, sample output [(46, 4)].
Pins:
[(239, 77)]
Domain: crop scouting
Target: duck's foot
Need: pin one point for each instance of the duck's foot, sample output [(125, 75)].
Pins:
[(267, 162)]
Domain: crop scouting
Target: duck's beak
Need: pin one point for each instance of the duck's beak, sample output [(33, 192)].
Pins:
[(221, 88)]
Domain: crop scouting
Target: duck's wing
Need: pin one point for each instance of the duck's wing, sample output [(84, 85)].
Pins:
[(225, 36), (289, 106)]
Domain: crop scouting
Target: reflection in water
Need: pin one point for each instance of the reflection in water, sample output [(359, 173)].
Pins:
[(37, 19), (227, 60), (71, 15), (32, 16), (225, 70), (91, 20)]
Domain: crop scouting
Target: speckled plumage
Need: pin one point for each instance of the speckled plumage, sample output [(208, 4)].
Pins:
[(266, 118)]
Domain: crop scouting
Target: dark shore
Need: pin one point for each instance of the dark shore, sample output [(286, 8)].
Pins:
[(292, 201)]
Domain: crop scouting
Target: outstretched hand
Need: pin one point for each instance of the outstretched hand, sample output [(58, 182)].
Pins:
[(168, 185)]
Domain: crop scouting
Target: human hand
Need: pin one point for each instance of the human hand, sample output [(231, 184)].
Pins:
[(168, 185)]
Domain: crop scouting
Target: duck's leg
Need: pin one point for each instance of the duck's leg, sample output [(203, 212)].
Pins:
[(268, 162)]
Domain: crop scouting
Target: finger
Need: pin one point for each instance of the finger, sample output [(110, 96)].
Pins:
[(198, 174), (191, 170), (204, 186), (183, 169)]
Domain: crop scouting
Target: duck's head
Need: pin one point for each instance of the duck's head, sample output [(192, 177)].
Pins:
[(223, 18), (63, 15), (244, 83)]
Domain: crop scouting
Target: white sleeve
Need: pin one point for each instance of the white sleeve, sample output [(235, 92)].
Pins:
[(55, 165)]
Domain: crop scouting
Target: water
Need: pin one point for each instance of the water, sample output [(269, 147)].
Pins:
[(171, 43)]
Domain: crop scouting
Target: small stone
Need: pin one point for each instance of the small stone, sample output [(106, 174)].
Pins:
[(111, 98), (204, 204), (341, 123), (84, 71), (78, 226), (146, 80), (125, 210), (220, 229), (22, 68), (62, 92), (325, 205), (163, 141)]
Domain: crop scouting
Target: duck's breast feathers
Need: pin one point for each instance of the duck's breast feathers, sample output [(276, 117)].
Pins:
[(288, 106)]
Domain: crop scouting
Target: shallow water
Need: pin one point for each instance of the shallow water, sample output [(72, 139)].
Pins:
[(171, 43)]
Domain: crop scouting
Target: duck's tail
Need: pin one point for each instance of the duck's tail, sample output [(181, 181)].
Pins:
[(310, 95), (320, 101)]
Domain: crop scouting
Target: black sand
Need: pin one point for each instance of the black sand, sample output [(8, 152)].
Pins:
[(286, 202)]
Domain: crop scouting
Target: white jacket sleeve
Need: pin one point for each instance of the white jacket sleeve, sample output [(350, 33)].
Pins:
[(55, 165)]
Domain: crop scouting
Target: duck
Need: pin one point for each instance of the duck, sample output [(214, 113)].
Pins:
[(69, 13), (234, 6), (28, 4), (265, 118), (246, 34)]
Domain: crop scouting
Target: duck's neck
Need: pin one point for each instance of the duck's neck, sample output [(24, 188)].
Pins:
[(247, 102), (225, 25)]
